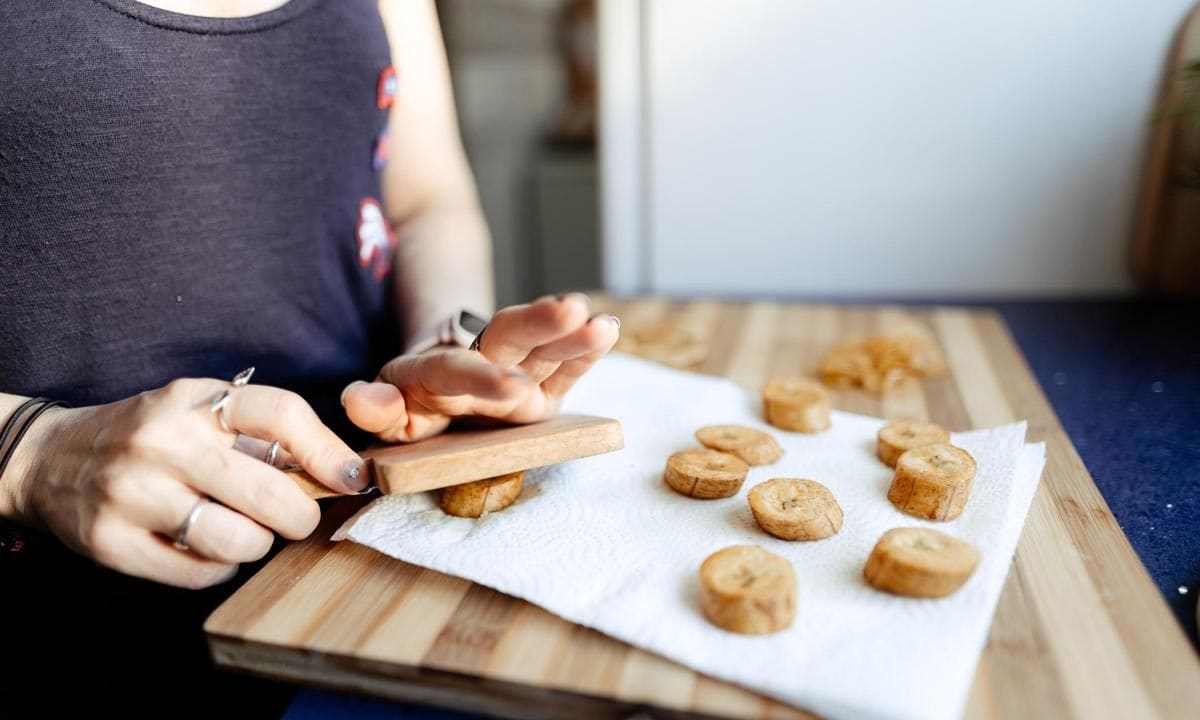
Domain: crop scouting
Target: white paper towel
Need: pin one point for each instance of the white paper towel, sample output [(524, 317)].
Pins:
[(605, 543)]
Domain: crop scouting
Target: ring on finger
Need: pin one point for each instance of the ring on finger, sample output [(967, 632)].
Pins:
[(218, 408), (218, 405), (243, 377), (181, 542), (272, 453)]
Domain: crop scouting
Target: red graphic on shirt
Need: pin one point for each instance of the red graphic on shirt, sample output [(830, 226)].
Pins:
[(375, 238), (385, 89)]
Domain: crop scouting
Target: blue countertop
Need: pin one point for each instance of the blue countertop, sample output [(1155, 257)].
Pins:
[(1124, 378)]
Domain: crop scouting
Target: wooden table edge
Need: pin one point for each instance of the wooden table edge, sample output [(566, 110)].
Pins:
[(424, 685)]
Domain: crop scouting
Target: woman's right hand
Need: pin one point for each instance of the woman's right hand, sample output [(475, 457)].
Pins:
[(116, 482)]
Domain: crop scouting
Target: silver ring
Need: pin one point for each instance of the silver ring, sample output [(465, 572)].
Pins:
[(272, 452), (218, 405), (218, 408), (182, 533)]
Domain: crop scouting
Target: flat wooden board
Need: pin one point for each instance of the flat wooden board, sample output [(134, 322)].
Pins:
[(463, 455), (1080, 630)]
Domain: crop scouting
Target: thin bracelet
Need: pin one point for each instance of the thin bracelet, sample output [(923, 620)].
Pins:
[(15, 417), (9, 451)]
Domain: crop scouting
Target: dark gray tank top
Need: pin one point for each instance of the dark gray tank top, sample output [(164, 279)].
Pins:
[(185, 196)]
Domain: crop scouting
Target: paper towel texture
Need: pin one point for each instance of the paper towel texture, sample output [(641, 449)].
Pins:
[(605, 543)]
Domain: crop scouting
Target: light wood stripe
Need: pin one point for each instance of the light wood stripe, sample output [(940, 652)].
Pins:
[(315, 595), (985, 402), (409, 629), (344, 628), (650, 678), (723, 339), (748, 364), (592, 663), (1102, 682), (1015, 656), (531, 647), (726, 699), (260, 593)]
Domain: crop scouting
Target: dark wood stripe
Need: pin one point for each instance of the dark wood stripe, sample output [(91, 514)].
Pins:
[(468, 639)]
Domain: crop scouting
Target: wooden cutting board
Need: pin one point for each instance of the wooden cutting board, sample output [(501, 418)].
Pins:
[(1080, 630)]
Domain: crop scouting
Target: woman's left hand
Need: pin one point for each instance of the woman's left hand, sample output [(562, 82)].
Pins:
[(528, 358)]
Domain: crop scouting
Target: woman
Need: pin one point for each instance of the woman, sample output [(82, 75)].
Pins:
[(192, 187)]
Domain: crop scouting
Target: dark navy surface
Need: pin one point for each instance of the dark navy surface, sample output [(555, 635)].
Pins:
[(1124, 378)]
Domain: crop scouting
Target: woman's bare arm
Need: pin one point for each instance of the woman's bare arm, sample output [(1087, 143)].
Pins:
[(443, 259)]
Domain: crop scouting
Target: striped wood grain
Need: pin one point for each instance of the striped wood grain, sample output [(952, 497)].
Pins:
[(1080, 630)]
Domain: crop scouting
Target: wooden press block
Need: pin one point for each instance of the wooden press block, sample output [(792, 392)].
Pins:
[(460, 456)]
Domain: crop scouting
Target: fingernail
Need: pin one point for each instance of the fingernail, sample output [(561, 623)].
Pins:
[(612, 318), (346, 389), (355, 475)]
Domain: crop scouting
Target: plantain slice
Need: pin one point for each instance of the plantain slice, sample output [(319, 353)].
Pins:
[(753, 446), (796, 404), (745, 589), (665, 342), (933, 482), (473, 499), (919, 562), (896, 438), (795, 509), (705, 474)]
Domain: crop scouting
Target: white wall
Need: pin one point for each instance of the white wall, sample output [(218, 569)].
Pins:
[(920, 147)]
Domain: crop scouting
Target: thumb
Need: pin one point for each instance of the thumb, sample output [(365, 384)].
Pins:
[(374, 407)]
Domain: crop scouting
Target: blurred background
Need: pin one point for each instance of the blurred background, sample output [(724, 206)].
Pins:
[(783, 148), (1040, 158)]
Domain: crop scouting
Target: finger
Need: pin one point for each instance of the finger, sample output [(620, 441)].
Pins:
[(254, 489), (570, 371), (267, 412), (162, 504), (221, 534), (136, 551), (515, 331), (453, 380), (599, 332), (438, 385), (256, 448)]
